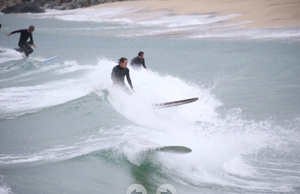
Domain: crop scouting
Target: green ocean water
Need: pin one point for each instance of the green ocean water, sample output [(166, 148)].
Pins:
[(65, 129)]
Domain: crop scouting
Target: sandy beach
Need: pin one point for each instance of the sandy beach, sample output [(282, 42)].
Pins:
[(257, 13)]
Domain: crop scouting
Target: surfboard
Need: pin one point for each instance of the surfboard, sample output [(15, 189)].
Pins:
[(174, 149), (174, 103), (37, 59), (150, 146), (51, 58), (44, 60)]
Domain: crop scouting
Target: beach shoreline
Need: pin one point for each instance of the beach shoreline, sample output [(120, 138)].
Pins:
[(253, 13)]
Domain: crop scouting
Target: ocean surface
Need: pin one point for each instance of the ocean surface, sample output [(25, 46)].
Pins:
[(65, 129)]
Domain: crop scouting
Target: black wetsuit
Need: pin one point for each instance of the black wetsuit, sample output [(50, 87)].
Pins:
[(117, 75), (136, 62), (23, 44)]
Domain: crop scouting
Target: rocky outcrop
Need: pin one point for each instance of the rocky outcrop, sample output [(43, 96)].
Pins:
[(39, 6), (25, 7)]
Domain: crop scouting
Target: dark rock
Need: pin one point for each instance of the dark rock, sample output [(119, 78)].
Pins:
[(58, 2), (39, 6), (26, 7)]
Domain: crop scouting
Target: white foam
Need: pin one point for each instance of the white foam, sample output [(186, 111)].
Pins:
[(88, 14), (4, 188), (9, 55), (39, 96), (165, 22), (218, 144), (58, 91), (151, 88), (217, 152)]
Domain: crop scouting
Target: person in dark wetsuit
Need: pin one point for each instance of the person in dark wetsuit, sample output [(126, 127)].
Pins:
[(118, 75), (23, 44), (139, 61)]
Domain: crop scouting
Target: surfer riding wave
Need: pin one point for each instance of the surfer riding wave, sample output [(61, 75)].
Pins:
[(23, 44)]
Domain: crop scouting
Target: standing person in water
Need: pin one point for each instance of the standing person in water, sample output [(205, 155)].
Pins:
[(23, 44), (139, 61), (118, 75)]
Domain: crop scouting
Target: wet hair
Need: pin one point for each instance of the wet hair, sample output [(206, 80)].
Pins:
[(140, 53), (31, 27), (121, 60)]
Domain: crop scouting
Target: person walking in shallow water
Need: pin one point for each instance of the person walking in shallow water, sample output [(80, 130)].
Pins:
[(23, 44), (139, 61), (118, 75)]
